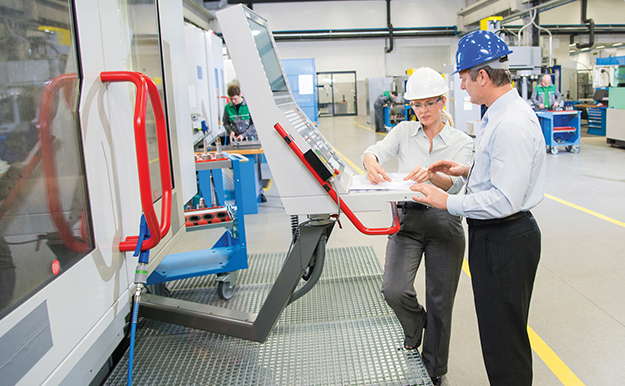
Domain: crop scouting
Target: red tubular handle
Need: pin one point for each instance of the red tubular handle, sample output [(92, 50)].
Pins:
[(145, 85), (328, 188), (49, 161)]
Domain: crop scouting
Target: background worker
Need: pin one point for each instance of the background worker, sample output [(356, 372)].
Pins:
[(237, 120), (424, 230), (382, 100), (545, 95), (506, 180)]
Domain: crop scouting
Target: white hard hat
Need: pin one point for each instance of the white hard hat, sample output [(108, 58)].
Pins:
[(425, 83)]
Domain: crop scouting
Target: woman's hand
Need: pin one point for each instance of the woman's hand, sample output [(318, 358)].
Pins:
[(375, 172)]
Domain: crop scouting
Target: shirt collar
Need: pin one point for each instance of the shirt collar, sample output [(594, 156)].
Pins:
[(499, 106), (445, 134)]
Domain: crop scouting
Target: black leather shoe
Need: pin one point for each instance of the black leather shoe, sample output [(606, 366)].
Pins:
[(437, 381)]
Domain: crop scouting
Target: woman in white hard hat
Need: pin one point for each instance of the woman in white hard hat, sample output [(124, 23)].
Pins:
[(424, 230)]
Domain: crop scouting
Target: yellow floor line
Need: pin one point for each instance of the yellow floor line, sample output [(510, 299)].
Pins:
[(350, 163), (553, 361), (367, 128), (590, 212), (562, 371)]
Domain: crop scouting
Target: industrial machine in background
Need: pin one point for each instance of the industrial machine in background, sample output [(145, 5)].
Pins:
[(615, 130), (207, 90), (526, 69), (466, 115)]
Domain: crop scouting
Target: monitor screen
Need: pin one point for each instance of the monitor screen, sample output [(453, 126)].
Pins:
[(600, 95), (268, 56)]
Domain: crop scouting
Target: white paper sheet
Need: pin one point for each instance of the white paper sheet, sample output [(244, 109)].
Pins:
[(305, 84), (361, 183)]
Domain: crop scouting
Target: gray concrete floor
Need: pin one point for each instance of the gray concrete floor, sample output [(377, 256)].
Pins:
[(577, 307)]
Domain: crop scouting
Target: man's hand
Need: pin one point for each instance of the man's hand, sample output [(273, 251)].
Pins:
[(556, 104), (419, 174), (451, 168), (434, 196), (541, 106)]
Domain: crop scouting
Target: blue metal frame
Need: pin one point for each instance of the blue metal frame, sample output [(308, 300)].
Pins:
[(227, 255)]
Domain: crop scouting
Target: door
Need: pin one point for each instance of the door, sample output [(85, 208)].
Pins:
[(70, 179), (337, 93)]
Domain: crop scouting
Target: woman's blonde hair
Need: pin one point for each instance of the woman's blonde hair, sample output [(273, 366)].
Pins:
[(450, 120)]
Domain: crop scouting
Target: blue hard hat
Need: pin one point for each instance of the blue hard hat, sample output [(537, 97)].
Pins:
[(479, 47)]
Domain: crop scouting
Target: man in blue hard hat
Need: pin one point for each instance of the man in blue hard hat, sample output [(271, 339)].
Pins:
[(505, 181)]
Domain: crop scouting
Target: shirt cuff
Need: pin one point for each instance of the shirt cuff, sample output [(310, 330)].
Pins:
[(454, 205)]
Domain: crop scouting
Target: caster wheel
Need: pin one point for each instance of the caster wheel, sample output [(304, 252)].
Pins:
[(575, 149), (225, 290), (554, 150)]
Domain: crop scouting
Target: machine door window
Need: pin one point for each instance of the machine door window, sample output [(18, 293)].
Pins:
[(143, 50), (45, 225)]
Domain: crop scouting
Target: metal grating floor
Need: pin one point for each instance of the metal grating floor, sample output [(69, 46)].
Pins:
[(340, 333)]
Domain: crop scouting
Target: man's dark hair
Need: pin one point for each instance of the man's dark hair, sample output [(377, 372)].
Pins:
[(394, 93), (233, 90), (498, 77)]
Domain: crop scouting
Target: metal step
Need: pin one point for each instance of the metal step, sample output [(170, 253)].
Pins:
[(341, 333)]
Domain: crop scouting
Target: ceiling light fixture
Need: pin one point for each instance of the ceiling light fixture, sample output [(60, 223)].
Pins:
[(616, 44)]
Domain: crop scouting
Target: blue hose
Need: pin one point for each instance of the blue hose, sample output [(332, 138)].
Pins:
[(131, 351)]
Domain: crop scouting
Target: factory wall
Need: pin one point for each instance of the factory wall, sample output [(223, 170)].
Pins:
[(368, 57)]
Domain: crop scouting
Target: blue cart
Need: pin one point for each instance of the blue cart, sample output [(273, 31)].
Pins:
[(561, 128), (229, 254)]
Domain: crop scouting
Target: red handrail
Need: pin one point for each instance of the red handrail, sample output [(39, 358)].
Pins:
[(49, 160), (328, 188), (146, 86)]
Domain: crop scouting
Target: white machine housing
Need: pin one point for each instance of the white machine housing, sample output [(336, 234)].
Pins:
[(265, 87), (206, 81)]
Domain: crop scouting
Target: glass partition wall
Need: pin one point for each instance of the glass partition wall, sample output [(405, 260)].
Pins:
[(337, 93)]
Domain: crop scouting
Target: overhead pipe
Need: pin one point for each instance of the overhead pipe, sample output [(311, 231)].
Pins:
[(390, 26), (369, 33), (574, 29), (591, 27)]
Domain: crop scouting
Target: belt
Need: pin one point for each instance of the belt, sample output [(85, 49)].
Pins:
[(405, 205), (495, 221)]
